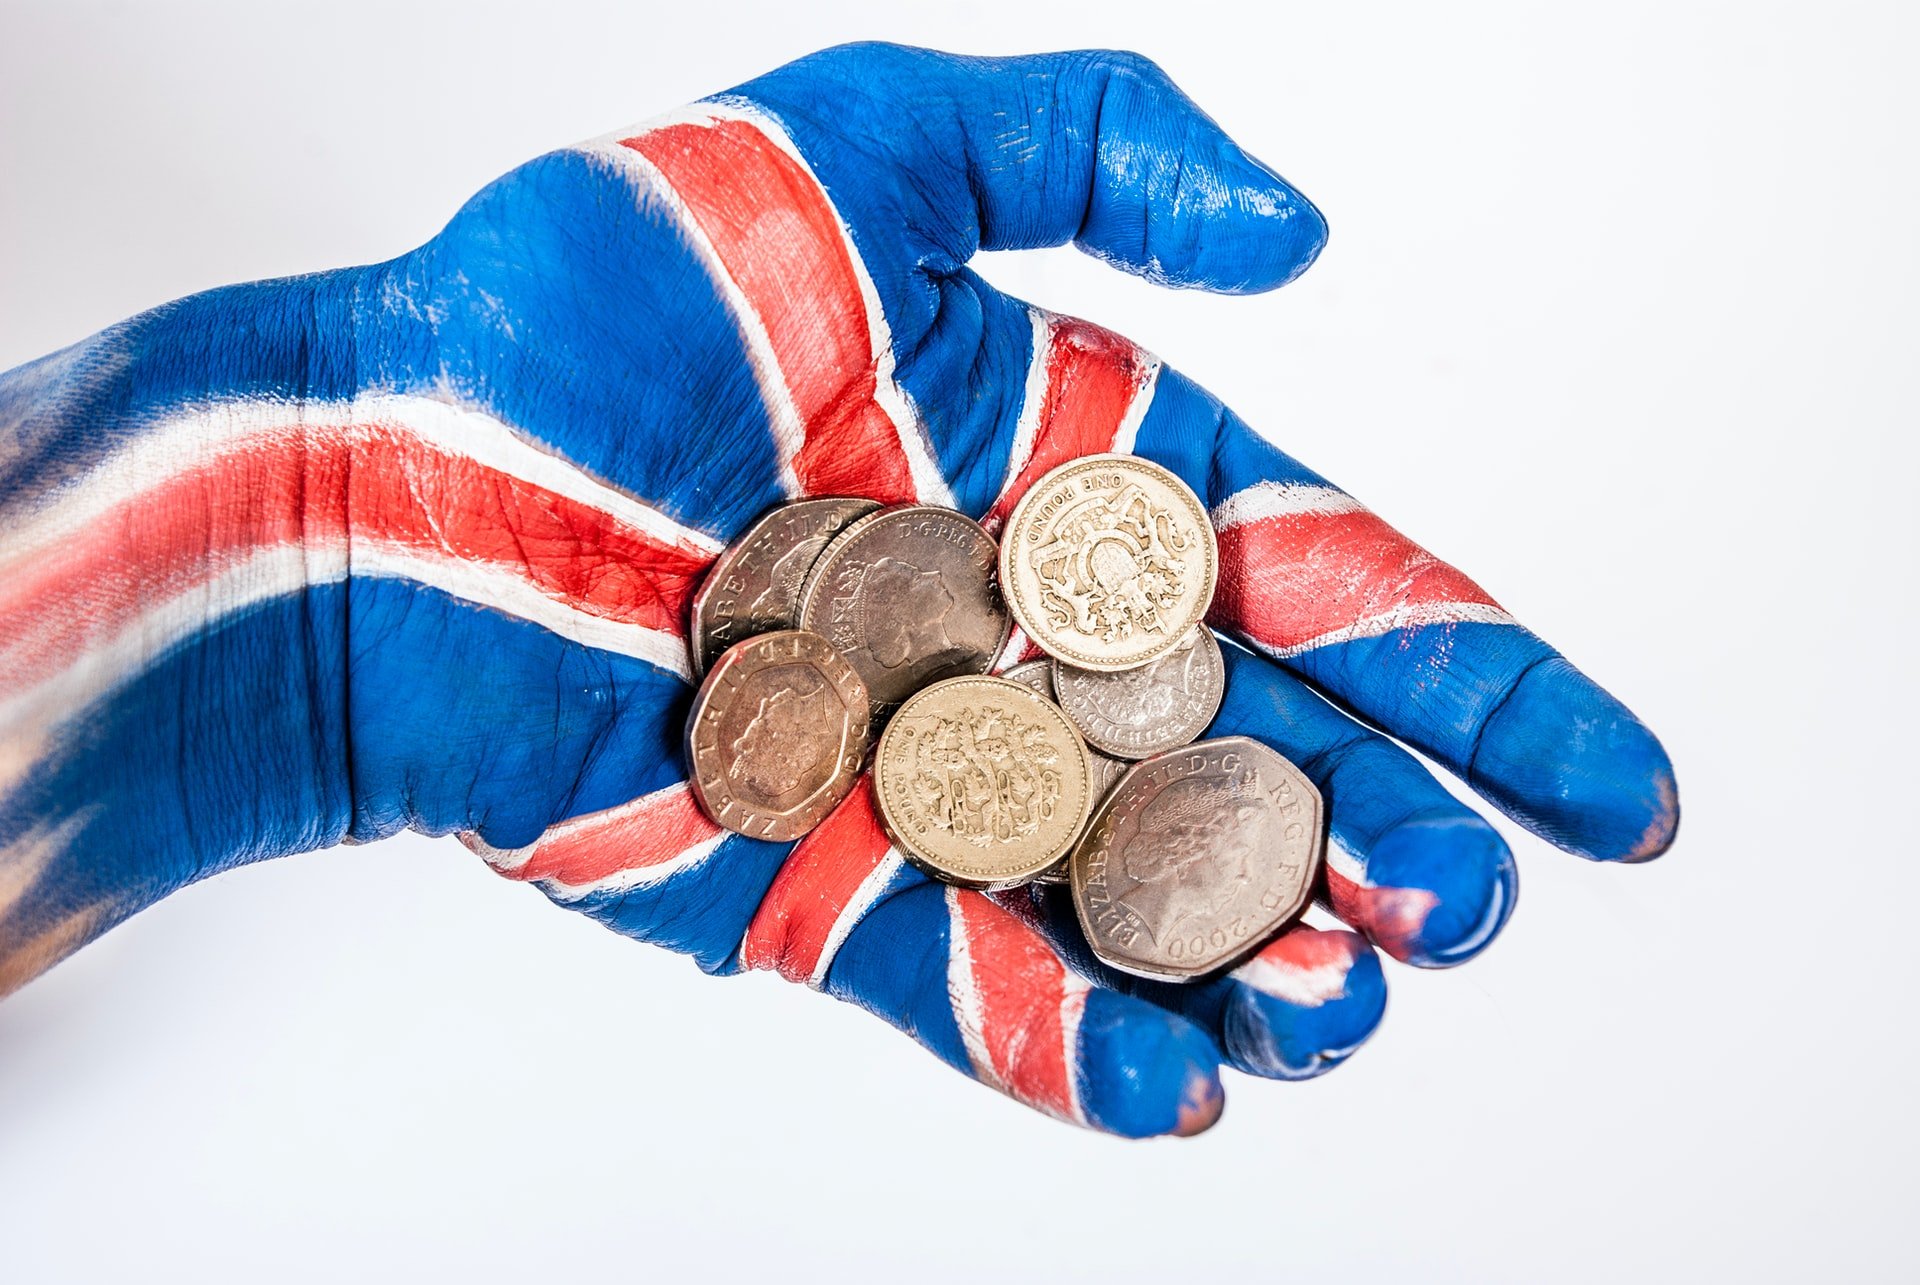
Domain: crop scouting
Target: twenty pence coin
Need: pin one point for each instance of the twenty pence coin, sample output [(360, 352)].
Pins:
[(777, 735), (1108, 561), (1196, 858), (981, 782)]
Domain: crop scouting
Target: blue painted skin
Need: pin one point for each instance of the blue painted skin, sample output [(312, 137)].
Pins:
[(349, 712)]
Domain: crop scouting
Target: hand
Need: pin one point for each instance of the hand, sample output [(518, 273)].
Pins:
[(412, 545)]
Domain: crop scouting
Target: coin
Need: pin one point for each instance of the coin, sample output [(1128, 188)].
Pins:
[(1136, 713), (908, 597), (1196, 858), (982, 782), (1038, 676), (777, 735), (1034, 675), (1108, 561), (754, 586)]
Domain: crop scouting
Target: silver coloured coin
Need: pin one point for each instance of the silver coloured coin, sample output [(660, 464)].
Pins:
[(1137, 713), (754, 586), (1196, 858), (777, 734), (908, 596)]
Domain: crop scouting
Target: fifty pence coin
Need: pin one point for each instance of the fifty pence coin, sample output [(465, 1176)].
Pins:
[(754, 587), (777, 735), (908, 597), (981, 782), (1137, 713), (1196, 858), (1108, 561)]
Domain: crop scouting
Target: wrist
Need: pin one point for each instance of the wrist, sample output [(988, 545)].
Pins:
[(173, 629)]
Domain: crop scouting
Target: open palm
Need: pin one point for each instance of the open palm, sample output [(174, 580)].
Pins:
[(476, 514)]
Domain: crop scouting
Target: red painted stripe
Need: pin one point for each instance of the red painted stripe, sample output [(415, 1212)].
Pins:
[(373, 483), (1021, 984), (815, 885), (779, 239), (1093, 376), (647, 832), (1285, 581), (1308, 950), (1392, 918)]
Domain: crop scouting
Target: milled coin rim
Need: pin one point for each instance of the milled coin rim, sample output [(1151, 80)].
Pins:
[(1127, 753), (1316, 865), (862, 743), (1010, 585), (930, 864), (710, 583)]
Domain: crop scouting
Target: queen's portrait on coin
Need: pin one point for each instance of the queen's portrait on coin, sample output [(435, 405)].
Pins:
[(1192, 854)]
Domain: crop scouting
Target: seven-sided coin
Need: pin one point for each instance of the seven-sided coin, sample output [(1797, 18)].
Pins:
[(1196, 857), (777, 735)]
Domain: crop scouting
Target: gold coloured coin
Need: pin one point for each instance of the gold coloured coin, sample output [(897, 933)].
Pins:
[(982, 782), (1108, 562)]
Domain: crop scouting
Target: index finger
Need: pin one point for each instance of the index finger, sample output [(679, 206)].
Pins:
[(1313, 578)]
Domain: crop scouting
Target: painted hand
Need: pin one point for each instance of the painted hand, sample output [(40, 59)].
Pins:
[(412, 545)]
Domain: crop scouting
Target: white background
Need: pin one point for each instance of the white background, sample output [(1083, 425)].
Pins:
[(1619, 314)]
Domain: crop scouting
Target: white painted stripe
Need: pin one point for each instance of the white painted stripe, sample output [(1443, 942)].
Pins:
[(1343, 860), (1129, 430), (1073, 1006), (637, 877), (608, 822), (853, 912), (1301, 987), (1033, 401), (923, 466), (487, 584), (507, 860), (1409, 616), (108, 662), (197, 436), (1282, 500), (969, 1012), (1010, 654), (789, 434)]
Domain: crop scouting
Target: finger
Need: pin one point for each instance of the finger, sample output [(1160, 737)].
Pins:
[(1098, 147), (1312, 578), (1425, 879), (1298, 1008), (841, 911), (976, 983)]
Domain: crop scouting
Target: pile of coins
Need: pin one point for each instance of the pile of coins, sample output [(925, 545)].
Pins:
[(832, 626)]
